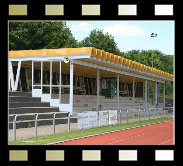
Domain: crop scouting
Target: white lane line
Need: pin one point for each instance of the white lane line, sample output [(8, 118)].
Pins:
[(166, 141), (138, 135)]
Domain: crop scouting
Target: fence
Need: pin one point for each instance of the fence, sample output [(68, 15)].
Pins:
[(123, 116)]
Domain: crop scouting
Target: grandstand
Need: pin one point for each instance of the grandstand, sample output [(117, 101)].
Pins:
[(80, 79)]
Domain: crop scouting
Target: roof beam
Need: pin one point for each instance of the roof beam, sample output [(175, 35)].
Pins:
[(114, 70), (131, 69)]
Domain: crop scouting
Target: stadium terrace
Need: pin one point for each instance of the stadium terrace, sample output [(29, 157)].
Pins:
[(85, 79)]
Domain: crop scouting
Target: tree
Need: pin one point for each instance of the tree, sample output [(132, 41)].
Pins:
[(161, 61), (167, 63), (40, 35), (100, 40)]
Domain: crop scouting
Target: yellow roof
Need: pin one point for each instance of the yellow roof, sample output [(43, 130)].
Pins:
[(94, 53)]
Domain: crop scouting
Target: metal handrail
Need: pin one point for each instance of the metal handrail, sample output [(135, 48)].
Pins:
[(69, 116), (38, 113)]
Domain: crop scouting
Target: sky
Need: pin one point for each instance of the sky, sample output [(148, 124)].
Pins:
[(130, 35)]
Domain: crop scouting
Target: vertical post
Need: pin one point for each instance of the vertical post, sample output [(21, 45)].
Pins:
[(153, 95), (120, 116), (36, 117), (139, 114), (17, 76), (71, 84), (98, 89), (50, 78), (164, 86), (118, 91), (157, 112), (98, 119), (133, 115), (127, 116), (133, 91), (42, 76), (54, 123), (156, 94), (143, 90), (11, 75), (108, 118), (145, 93), (32, 75), (149, 114), (69, 124), (144, 114), (14, 127), (60, 81)]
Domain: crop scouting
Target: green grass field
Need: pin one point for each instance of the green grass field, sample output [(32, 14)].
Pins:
[(42, 140)]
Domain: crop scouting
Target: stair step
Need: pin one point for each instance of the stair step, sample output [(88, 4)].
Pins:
[(24, 99), (24, 110), (28, 104), (25, 94)]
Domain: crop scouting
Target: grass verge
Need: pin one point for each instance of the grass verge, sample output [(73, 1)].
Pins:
[(41, 140)]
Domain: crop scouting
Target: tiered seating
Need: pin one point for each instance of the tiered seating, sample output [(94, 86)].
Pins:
[(22, 103), (89, 103)]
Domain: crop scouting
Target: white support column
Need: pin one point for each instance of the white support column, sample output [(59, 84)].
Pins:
[(71, 85), (17, 76), (60, 81), (32, 75), (153, 93), (145, 93), (118, 91), (98, 89), (9, 86), (42, 76), (143, 90), (50, 78), (11, 75), (133, 101), (156, 93), (164, 86)]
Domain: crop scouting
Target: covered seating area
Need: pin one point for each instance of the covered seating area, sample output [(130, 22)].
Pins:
[(84, 79)]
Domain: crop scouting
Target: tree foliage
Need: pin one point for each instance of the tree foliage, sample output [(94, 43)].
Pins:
[(100, 40), (40, 35), (161, 61)]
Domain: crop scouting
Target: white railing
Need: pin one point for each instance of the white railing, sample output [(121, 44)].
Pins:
[(140, 113)]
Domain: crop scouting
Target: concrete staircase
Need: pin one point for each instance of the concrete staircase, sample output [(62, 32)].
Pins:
[(24, 103)]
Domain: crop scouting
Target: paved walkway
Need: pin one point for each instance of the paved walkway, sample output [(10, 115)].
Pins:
[(25, 133)]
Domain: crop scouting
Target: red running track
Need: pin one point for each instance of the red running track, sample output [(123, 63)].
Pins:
[(157, 134)]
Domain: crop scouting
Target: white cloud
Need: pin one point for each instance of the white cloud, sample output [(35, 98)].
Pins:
[(125, 30), (83, 26)]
